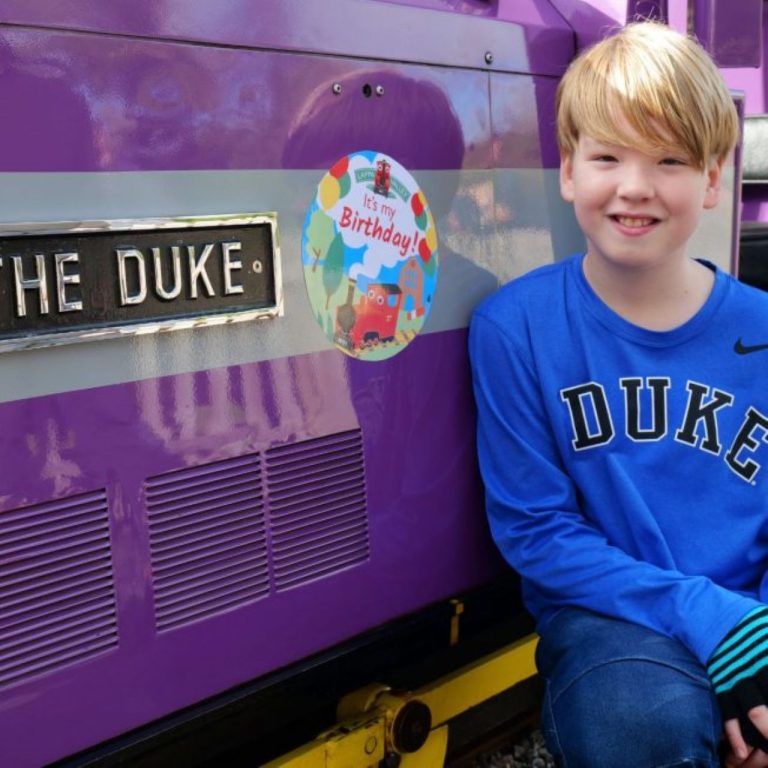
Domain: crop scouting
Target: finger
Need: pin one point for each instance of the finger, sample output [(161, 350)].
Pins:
[(738, 745), (759, 718), (758, 759)]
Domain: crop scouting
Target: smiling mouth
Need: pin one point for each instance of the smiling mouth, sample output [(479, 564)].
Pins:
[(635, 222)]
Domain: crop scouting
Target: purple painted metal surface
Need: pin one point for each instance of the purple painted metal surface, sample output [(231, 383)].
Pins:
[(118, 105), (677, 15), (754, 203), (422, 500), (592, 20), (369, 29), (752, 80), (523, 138), (753, 83), (95, 91), (731, 32)]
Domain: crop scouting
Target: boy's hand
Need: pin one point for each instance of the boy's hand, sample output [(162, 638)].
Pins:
[(739, 672), (743, 756), (756, 759)]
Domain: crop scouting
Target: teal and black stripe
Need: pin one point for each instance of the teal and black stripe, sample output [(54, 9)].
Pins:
[(742, 653)]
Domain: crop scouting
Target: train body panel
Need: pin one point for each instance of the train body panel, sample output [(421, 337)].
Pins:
[(202, 497), (183, 512), (528, 36)]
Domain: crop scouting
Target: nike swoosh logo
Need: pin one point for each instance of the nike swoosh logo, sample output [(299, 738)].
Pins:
[(740, 349)]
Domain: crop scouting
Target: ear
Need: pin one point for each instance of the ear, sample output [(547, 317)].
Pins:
[(714, 175), (566, 178)]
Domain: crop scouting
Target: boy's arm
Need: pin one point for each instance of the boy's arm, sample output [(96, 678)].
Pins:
[(535, 517)]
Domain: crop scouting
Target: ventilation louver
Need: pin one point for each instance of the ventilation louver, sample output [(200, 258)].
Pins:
[(210, 525), (317, 510), (207, 539), (57, 594)]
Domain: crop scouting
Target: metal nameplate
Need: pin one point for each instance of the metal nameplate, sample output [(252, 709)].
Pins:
[(69, 282)]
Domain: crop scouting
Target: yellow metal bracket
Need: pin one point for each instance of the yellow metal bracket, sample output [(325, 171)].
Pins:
[(376, 722)]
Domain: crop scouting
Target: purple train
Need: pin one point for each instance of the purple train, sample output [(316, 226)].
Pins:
[(194, 522)]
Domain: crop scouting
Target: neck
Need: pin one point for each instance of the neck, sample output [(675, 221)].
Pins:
[(658, 298)]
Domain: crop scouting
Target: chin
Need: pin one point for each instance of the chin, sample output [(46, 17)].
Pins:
[(626, 260)]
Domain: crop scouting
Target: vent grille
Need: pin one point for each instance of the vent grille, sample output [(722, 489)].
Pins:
[(207, 539), (318, 516), (56, 585)]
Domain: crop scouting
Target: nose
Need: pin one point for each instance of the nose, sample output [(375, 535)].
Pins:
[(635, 183)]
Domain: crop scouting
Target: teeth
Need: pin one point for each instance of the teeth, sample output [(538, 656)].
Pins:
[(630, 221)]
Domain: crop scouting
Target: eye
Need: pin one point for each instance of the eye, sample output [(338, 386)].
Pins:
[(604, 158), (673, 161)]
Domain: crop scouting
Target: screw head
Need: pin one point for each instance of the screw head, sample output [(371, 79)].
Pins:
[(488, 57), (379, 90), (336, 89)]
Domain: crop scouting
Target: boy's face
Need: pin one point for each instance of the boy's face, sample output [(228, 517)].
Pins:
[(636, 209)]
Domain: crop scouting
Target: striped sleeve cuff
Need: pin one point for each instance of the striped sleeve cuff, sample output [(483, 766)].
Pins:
[(742, 653)]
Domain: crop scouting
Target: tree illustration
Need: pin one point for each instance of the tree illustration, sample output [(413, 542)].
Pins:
[(319, 236), (333, 271)]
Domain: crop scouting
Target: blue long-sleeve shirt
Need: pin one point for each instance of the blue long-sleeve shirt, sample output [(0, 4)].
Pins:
[(626, 470)]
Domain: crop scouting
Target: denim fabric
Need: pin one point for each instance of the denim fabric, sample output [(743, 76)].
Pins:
[(621, 696)]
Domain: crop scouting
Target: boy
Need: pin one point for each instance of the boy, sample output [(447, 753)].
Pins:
[(623, 429)]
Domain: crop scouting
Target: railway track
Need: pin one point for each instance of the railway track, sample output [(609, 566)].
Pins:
[(516, 743)]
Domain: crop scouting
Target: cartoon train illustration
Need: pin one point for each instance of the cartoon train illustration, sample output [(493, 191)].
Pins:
[(373, 320)]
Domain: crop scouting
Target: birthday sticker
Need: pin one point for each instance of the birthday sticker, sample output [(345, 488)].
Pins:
[(369, 249)]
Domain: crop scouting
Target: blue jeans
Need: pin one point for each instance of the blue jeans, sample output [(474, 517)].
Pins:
[(621, 696)]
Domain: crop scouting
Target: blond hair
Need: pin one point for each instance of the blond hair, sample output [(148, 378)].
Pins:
[(650, 88)]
